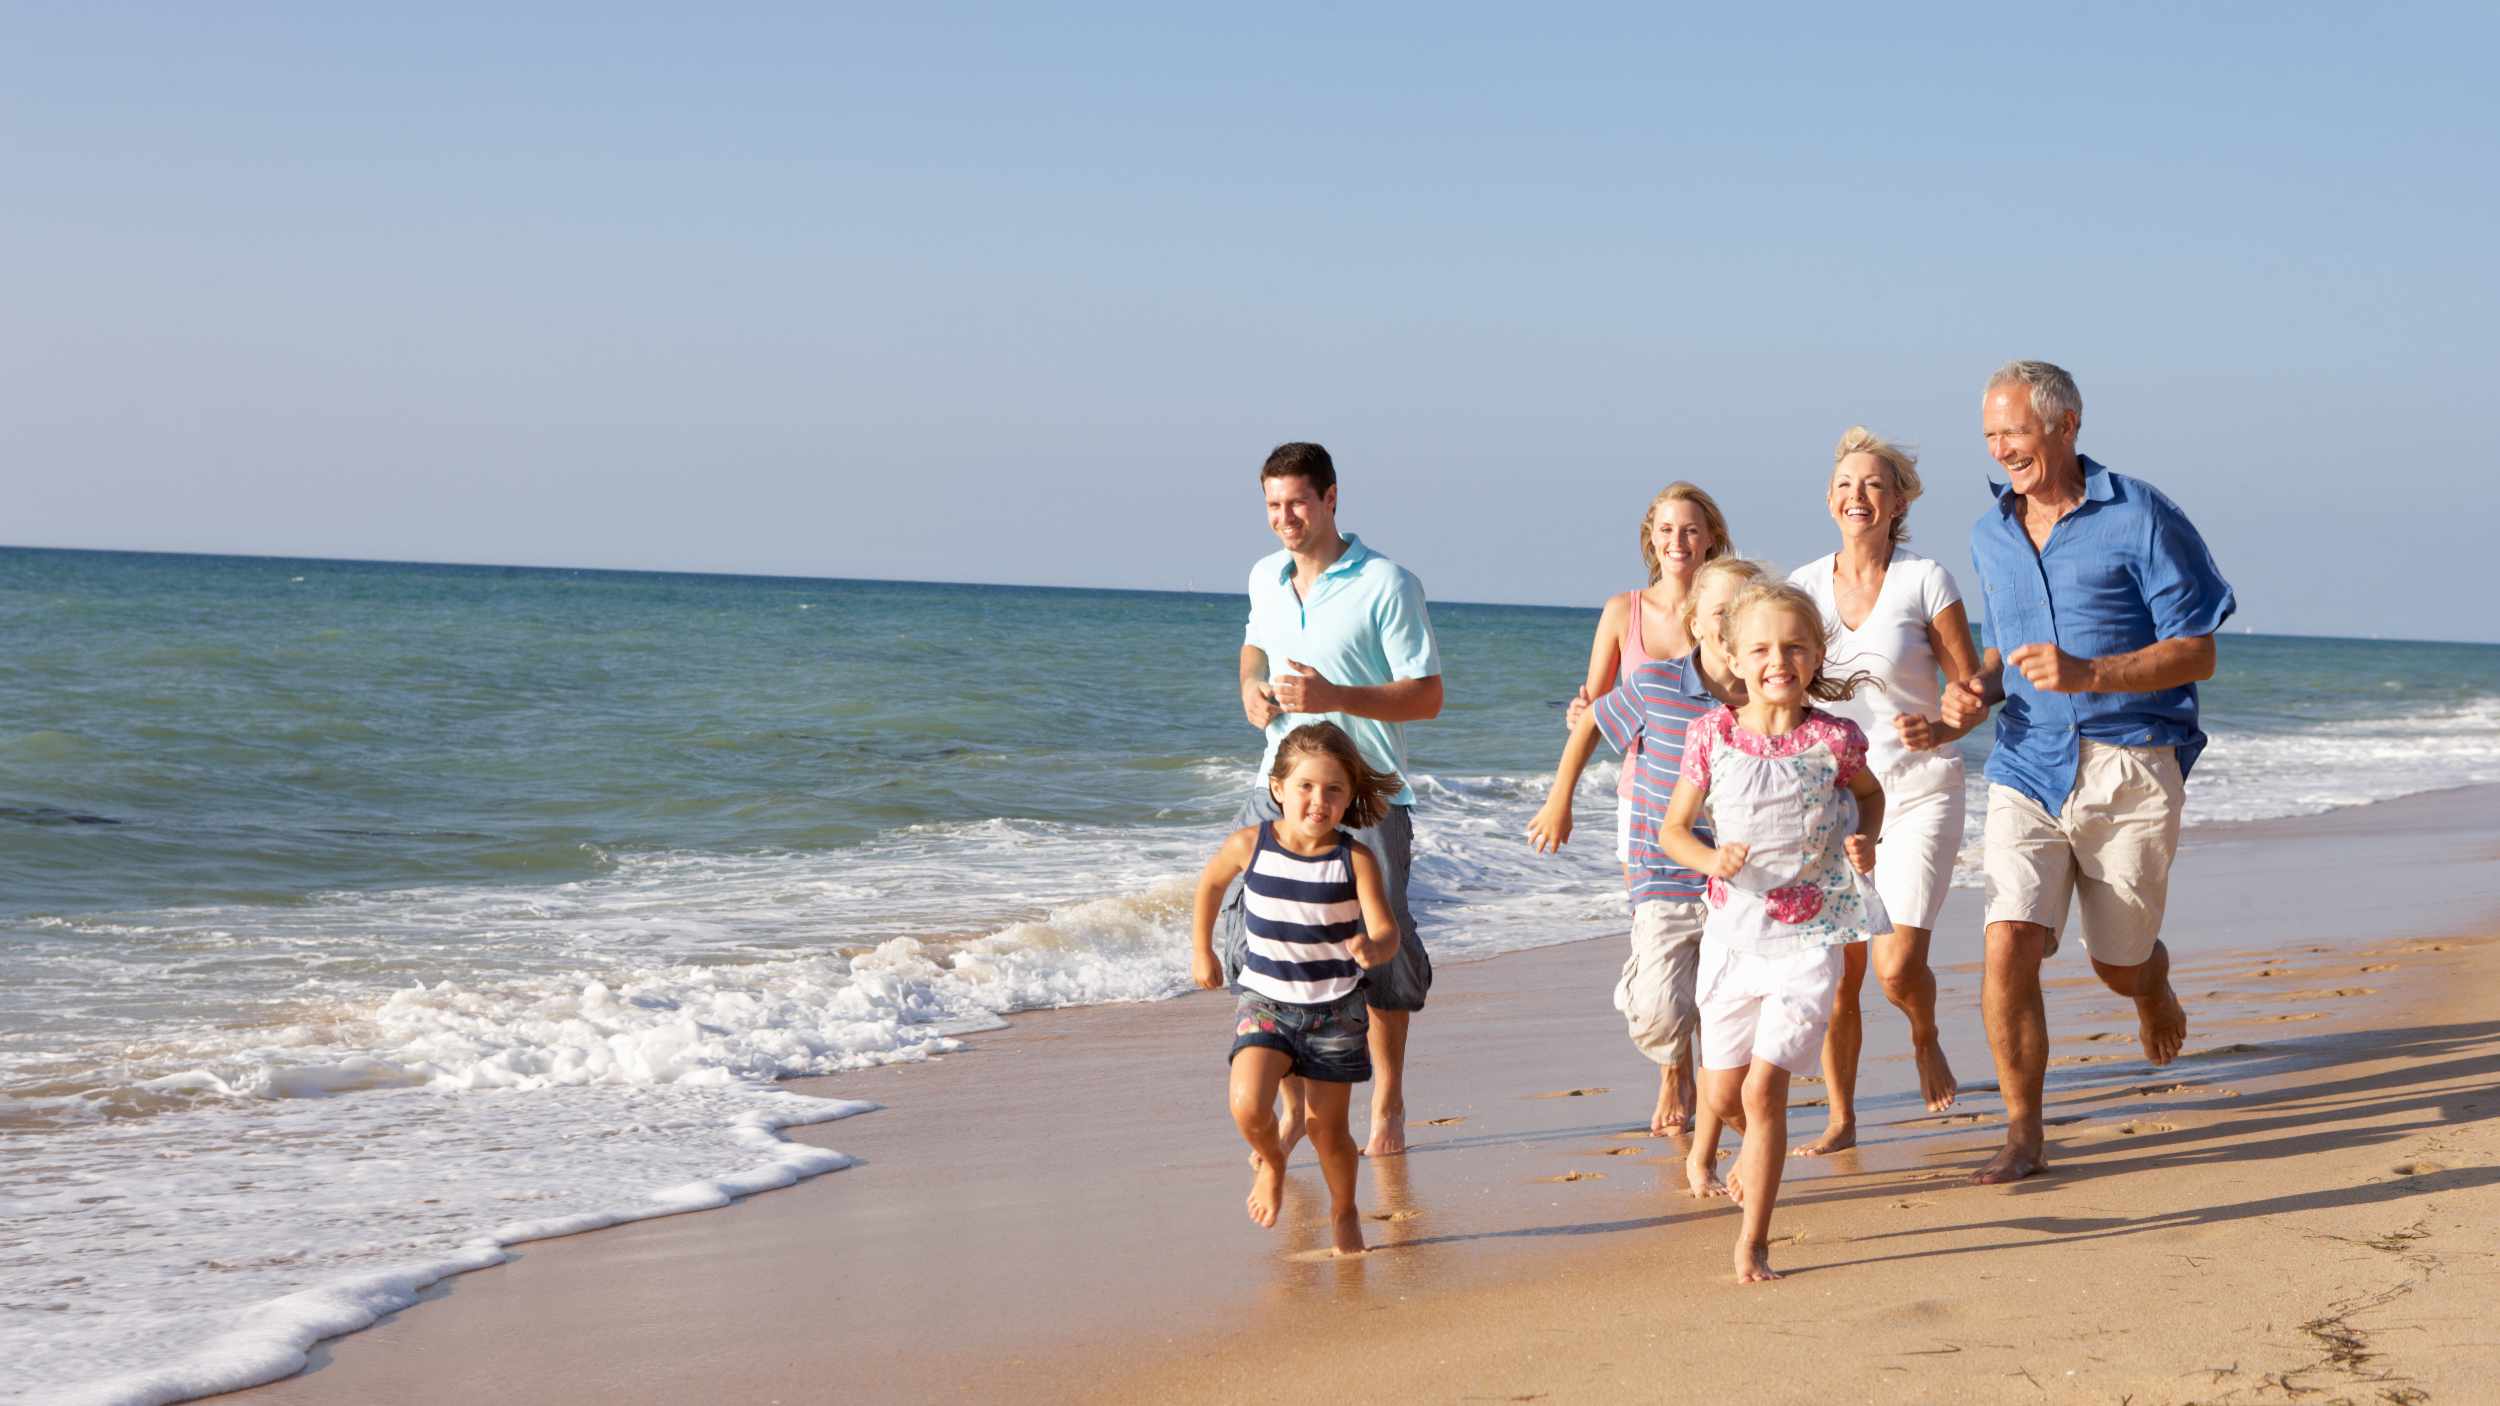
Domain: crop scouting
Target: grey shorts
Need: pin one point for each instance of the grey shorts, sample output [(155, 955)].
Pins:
[(1401, 983)]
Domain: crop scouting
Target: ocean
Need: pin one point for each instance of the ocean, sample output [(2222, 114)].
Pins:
[(358, 920)]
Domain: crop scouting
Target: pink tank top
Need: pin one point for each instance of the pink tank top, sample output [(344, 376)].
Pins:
[(1633, 653)]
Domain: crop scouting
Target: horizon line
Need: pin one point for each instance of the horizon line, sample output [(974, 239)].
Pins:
[(923, 581)]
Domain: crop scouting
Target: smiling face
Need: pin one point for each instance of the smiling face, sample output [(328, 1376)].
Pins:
[(2033, 452), (1301, 518), (1779, 649), (1313, 794), (1865, 498), (1679, 537)]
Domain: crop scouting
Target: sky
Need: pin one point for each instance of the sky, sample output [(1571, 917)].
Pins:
[(1026, 296)]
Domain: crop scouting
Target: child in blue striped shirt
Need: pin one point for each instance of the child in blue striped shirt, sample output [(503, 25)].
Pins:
[(1317, 914)]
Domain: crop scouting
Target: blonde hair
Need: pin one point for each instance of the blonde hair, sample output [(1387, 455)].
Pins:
[(1373, 790), (1900, 458), (1780, 595), (1682, 492), (1743, 569)]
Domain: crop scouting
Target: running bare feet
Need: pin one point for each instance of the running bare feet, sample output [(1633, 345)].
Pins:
[(1936, 1083), (2161, 1020), (1839, 1137), (1674, 1113), (1701, 1178), (2013, 1162), (1345, 1232), (1735, 1187), (1753, 1264), (1388, 1132), (1267, 1192)]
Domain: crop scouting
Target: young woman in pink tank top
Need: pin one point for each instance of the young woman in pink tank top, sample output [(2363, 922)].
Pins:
[(1682, 529)]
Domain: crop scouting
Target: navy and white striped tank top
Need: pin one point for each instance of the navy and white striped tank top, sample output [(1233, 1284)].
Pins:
[(1299, 913)]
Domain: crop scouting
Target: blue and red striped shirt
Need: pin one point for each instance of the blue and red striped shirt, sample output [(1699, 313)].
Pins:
[(1645, 718)]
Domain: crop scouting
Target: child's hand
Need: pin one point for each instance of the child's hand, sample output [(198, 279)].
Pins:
[(1730, 858), (1205, 970), (1552, 826), (1579, 709), (1861, 852)]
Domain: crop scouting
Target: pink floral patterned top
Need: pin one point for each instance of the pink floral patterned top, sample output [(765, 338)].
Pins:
[(1787, 799)]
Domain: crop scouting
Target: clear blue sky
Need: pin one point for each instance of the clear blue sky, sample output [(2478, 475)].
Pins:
[(1027, 296)]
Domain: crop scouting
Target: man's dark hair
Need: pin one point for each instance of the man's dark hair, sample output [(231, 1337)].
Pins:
[(1300, 460)]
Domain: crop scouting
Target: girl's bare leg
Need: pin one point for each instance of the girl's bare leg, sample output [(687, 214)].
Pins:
[(1758, 1166), (1722, 1094), (1842, 1044), (1910, 984), (1333, 1140), (1256, 1072), (1293, 1111)]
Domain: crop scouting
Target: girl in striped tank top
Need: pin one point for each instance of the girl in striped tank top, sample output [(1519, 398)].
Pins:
[(1318, 916)]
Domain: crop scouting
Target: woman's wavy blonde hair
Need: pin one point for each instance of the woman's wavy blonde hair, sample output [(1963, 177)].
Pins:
[(1780, 595), (1682, 492), (1900, 458)]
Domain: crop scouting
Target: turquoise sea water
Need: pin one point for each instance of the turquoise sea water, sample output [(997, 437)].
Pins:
[(446, 876)]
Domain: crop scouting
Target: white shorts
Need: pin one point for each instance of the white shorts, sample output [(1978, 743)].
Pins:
[(2110, 846), (1767, 1008), (1914, 864), (1623, 829)]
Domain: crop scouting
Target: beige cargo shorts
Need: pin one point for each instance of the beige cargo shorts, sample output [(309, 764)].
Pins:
[(2109, 848)]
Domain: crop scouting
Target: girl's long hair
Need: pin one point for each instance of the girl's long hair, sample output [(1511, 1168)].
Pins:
[(1780, 595), (1373, 790)]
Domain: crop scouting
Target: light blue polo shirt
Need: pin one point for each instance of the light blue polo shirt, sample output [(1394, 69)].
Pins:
[(1364, 624), (2122, 571)]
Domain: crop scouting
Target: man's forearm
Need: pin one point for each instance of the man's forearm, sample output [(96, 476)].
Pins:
[(1406, 701), (1253, 664), (2157, 666)]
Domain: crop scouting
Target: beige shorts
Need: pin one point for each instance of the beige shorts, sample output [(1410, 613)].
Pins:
[(1655, 993), (2109, 846)]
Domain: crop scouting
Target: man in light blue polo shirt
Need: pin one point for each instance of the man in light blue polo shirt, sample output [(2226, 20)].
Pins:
[(1338, 633), (2104, 599)]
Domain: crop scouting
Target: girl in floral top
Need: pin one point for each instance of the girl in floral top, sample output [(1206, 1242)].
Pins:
[(1796, 813)]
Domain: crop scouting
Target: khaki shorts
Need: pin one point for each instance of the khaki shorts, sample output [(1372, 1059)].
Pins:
[(1655, 992), (2109, 846)]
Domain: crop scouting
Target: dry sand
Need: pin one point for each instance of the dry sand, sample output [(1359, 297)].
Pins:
[(2301, 1208)]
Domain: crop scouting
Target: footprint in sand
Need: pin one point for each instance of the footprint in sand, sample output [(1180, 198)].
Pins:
[(2062, 1122), (1326, 1256), (1392, 1216), (1570, 1093), (1798, 1238), (2099, 1035), (1620, 1152), (2156, 1090), (2061, 1061), (2292, 1015), (1576, 1175), (1910, 1205), (2416, 1169), (1444, 1122), (1809, 1103), (2220, 1050), (2379, 967), (2132, 1129), (1948, 1119)]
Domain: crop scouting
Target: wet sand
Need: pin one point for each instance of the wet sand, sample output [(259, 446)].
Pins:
[(2303, 1203)]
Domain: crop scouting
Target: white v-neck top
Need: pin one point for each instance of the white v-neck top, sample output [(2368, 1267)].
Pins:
[(1891, 643)]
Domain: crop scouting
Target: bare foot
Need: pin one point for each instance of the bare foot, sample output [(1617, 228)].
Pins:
[(1936, 1083), (1345, 1231), (1267, 1193), (1753, 1264), (1674, 1113), (1735, 1187), (1388, 1134), (2012, 1163), (1837, 1138), (1701, 1178), (2162, 1023)]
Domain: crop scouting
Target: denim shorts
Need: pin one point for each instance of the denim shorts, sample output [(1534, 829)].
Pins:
[(1330, 1043)]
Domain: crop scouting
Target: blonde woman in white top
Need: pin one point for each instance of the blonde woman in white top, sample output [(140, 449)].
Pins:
[(1899, 616)]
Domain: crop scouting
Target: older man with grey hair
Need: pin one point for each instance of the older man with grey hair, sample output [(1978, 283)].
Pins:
[(2103, 598)]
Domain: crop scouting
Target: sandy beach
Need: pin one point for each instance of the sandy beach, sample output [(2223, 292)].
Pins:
[(2302, 1207)]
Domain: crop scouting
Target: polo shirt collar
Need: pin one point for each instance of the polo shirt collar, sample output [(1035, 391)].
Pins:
[(1347, 560), (2096, 485)]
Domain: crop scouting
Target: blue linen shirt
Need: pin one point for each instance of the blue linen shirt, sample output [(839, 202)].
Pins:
[(1646, 718), (1364, 624), (2122, 571)]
